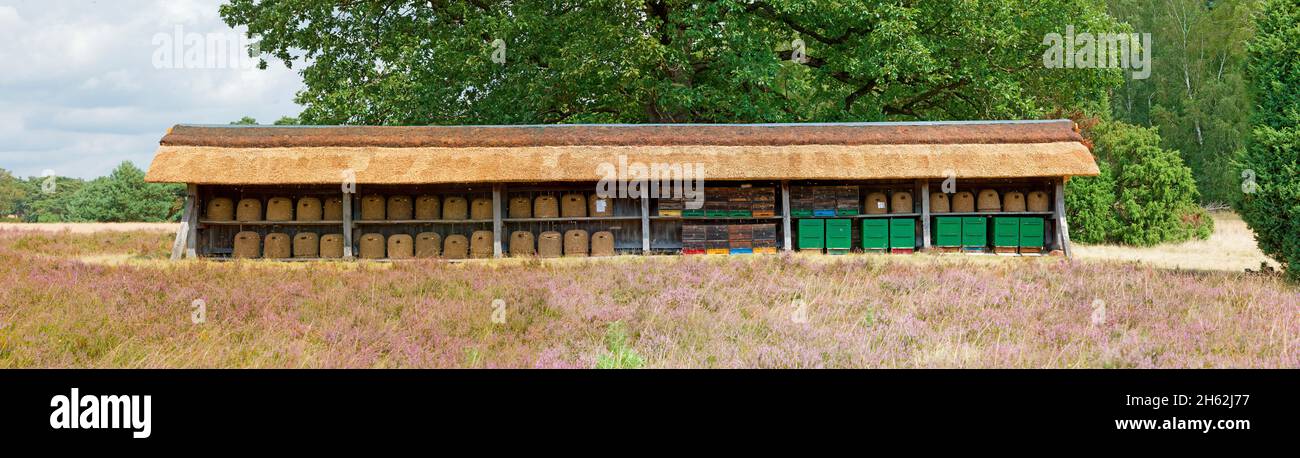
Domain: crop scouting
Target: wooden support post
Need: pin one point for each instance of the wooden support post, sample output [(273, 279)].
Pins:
[(925, 214), (1062, 227), (347, 223), (645, 223), (497, 190), (192, 239), (785, 216), (182, 241)]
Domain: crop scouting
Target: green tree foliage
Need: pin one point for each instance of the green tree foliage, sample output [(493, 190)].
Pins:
[(123, 196), (12, 193), (245, 121), (1271, 204), (1090, 206), (418, 63), (1196, 94)]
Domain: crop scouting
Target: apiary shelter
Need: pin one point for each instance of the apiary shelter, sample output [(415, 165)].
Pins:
[(831, 187)]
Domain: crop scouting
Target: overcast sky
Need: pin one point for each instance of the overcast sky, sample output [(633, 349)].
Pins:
[(79, 91)]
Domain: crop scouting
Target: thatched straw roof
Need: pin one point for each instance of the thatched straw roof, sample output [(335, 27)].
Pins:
[(478, 154)]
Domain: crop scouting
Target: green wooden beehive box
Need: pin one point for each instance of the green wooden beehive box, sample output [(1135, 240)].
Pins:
[(1031, 232), (974, 232), (1006, 232), (875, 234), (947, 231), (839, 234), (812, 234), (902, 233)]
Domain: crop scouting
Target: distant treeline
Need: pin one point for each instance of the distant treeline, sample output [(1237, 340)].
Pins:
[(120, 196)]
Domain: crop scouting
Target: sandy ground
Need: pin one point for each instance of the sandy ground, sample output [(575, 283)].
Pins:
[(87, 228), (1231, 247)]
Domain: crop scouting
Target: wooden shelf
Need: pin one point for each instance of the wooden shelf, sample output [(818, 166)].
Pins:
[(993, 214), (270, 223), (861, 216), (571, 219), (713, 218), (420, 221)]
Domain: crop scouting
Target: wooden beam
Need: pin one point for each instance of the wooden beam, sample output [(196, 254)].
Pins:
[(497, 190), (925, 214), (785, 216), (645, 223), (183, 231), (1062, 227), (192, 226), (347, 224)]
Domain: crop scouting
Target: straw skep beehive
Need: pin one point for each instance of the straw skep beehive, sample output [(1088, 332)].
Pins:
[(306, 245), (220, 209), (1036, 201), (963, 202), (247, 245), (546, 206), (455, 246), (277, 245), (428, 245), (939, 203), (399, 208), (248, 210), (279, 209), (521, 244), (576, 242), (455, 208), (372, 246), (372, 207), (309, 209), (331, 246), (901, 202), (988, 201), (481, 209), (877, 203), (573, 206), (1013, 201), (401, 246), (332, 209), (602, 244), (600, 206), (550, 244), (520, 207), (480, 244), (428, 207)]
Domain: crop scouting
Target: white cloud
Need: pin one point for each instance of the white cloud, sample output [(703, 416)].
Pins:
[(79, 92)]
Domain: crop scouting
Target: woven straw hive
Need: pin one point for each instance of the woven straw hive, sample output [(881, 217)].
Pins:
[(602, 244), (988, 201), (309, 209), (428, 207), (279, 209), (400, 246), (546, 207), (901, 202), (576, 242), (876, 203), (481, 209), (455, 208), (573, 206), (331, 246), (1013, 202), (599, 206), (520, 207), (963, 202), (372, 246), (248, 210), (221, 209), (550, 244), (428, 245), (306, 245), (399, 208), (939, 203), (480, 244), (455, 246), (372, 207), (1036, 201), (332, 209), (521, 244), (247, 245), (277, 245)]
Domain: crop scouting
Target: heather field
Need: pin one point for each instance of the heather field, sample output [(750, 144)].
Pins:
[(111, 300)]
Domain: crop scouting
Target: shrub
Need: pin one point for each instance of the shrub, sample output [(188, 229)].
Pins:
[(1090, 206)]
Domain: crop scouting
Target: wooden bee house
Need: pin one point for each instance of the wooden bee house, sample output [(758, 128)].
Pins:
[(372, 246), (877, 204), (247, 245), (455, 208), (576, 242), (546, 207), (602, 244), (248, 210), (901, 202), (221, 209), (1013, 202), (277, 245), (520, 207), (455, 246), (939, 203), (400, 246), (428, 207), (521, 244), (428, 244), (279, 209), (309, 209), (332, 209), (573, 206), (988, 201), (550, 244), (600, 206), (963, 202), (372, 207), (480, 244), (331, 246), (399, 208), (1036, 201), (306, 245), (481, 209)]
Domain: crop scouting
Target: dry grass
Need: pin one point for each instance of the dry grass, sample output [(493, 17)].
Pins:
[(88, 228), (1231, 248)]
